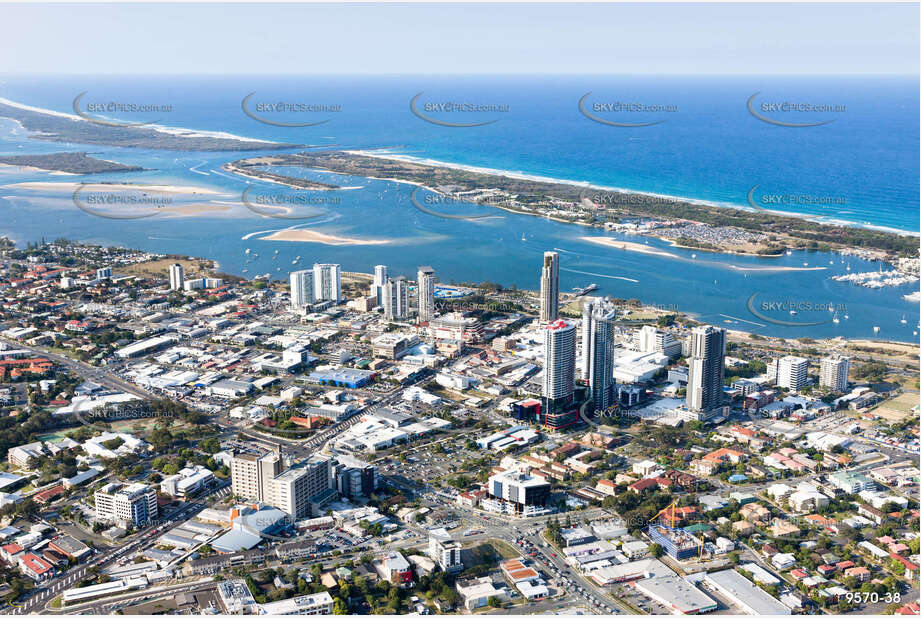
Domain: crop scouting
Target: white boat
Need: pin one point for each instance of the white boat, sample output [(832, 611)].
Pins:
[(247, 251), (876, 329), (846, 316), (903, 320), (805, 263), (835, 319), (789, 252), (792, 312), (523, 239), (694, 256)]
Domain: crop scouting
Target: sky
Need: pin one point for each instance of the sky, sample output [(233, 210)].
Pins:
[(687, 38)]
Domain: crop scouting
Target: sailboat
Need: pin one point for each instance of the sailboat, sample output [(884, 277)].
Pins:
[(876, 329), (789, 252), (846, 316), (848, 267), (693, 256), (835, 319), (903, 320), (523, 239)]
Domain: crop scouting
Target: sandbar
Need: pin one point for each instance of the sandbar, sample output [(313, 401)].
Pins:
[(628, 246), (320, 238), (69, 187)]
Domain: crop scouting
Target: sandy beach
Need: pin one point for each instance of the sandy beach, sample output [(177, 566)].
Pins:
[(70, 187), (320, 238), (11, 168), (628, 246)]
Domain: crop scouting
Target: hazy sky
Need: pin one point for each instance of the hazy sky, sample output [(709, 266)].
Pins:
[(469, 38)]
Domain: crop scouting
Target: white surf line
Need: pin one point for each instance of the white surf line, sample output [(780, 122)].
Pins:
[(582, 272), (197, 171), (743, 320), (250, 235)]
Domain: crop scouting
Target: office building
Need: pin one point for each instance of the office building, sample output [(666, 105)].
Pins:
[(519, 488), (791, 372), (706, 372), (380, 280), (176, 277), (302, 289), (132, 504), (833, 372), (557, 409), (598, 351), (425, 293), (354, 478), (292, 490), (326, 282), (396, 299), (550, 287), (103, 273), (252, 473)]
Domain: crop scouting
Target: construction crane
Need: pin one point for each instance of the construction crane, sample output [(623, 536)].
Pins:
[(671, 508)]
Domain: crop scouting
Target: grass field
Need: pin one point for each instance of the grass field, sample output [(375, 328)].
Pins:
[(898, 408)]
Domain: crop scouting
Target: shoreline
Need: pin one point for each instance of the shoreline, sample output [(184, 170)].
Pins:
[(625, 192)]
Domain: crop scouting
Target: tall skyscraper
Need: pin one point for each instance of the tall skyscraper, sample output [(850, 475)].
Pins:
[(598, 351), (425, 291), (176, 276), (559, 375), (396, 299), (833, 372), (301, 283), (326, 282), (791, 372), (380, 280), (550, 287), (706, 370)]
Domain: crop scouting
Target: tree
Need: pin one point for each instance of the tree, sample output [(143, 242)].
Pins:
[(494, 602), (656, 550), (339, 607)]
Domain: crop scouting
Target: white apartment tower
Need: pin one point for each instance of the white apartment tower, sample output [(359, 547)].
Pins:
[(833, 372), (706, 370), (396, 299), (425, 292), (559, 364), (176, 276), (380, 280), (302, 289), (445, 551), (326, 282), (598, 351), (791, 372), (134, 504), (550, 287)]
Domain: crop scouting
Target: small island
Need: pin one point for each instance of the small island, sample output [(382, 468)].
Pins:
[(252, 168), (68, 162)]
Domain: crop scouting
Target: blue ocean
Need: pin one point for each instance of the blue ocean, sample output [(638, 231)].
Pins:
[(852, 159)]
